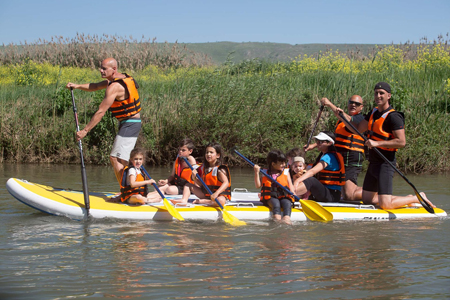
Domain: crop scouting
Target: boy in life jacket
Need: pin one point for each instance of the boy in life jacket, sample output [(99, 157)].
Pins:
[(271, 194), (179, 181), (133, 186), (216, 176), (325, 179)]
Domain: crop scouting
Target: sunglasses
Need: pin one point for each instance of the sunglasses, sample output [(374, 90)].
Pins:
[(357, 104), (318, 142)]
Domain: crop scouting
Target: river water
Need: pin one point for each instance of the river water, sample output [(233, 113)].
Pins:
[(49, 257)]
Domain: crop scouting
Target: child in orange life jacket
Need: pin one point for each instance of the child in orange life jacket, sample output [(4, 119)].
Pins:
[(271, 194), (179, 181), (216, 176), (325, 179), (133, 186)]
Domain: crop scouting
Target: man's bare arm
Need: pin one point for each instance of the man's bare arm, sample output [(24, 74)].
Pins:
[(89, 87)]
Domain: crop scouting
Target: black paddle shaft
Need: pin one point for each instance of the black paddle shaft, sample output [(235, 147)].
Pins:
[(425, 204), (83, 167), (315, 125), (267, 175), (202, 182)]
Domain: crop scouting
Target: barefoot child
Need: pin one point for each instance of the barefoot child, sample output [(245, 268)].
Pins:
[(133, 186), (179, 181), (271, 194), (216, 176)]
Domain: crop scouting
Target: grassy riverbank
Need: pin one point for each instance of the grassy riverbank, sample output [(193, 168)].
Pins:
[(254, 105)]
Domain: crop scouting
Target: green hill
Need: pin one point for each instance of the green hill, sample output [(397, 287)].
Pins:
[(219, 51)]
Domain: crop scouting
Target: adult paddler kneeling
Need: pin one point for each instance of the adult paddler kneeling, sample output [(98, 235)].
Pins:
[(122, 99), (326, 178), (386, 134)]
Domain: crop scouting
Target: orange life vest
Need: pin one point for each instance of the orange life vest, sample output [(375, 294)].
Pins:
[(211, 179), (345, 139), (132, 105), (126, 190), (333, 177), (376, 131), (182, 175), (272, 190)]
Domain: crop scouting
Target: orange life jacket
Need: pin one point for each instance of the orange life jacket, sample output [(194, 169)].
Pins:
[(345, 139), (212, 181), (182, 175), (272, 190), (376, 131), (132, 105), (126, 190), (333, 177)]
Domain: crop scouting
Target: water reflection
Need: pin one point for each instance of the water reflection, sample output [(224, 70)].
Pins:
[(44, 255)]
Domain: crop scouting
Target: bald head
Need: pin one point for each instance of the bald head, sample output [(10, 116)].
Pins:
[(355, 105), (110, 62), (108, 69)]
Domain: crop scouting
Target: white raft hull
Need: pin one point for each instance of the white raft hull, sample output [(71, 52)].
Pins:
[(244, 206)]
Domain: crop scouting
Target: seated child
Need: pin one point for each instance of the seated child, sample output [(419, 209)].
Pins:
[(296, 169), (215, 175), (179, 181), (133, 186), (271, 194), (325, 179)]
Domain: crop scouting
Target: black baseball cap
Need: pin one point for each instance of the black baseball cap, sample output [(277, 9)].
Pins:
[(383, 85)]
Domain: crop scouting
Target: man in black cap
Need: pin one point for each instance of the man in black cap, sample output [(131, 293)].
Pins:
[(386, 132)]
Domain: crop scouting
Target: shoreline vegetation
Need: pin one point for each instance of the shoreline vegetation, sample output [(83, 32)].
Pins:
[(256, 105)]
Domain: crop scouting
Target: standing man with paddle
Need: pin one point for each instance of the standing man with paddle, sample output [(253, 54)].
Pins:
[(122, 99), (349, 145), (386, 135)]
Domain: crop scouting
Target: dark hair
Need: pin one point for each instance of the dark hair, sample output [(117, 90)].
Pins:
[(219, 151), (135, 152), (188, 143), (275, 156), (295, 152), (333, 136)]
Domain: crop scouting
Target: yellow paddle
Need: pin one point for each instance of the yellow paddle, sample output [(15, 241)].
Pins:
[(172, 210), (312, 210), (227, 217)]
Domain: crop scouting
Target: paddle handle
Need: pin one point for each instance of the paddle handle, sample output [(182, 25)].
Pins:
[(83, 167), (424, 204), (154, 184), (202, 182), (267, 175), (315, 125)]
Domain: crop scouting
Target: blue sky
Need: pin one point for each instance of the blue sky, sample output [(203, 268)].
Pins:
[(191, 21)]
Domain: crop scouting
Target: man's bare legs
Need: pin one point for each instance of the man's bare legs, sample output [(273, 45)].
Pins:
[(351, 191), (118, 166), (390, 201)]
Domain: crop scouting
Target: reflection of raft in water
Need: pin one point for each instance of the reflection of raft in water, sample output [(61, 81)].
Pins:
[(244, 206)]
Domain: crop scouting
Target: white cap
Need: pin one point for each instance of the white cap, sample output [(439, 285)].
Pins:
[(299, 158), (324, 137)]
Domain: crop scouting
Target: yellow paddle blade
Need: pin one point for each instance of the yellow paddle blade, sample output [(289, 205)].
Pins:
[(172, 210), (425, 204), (230, 219), (315, 212)]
